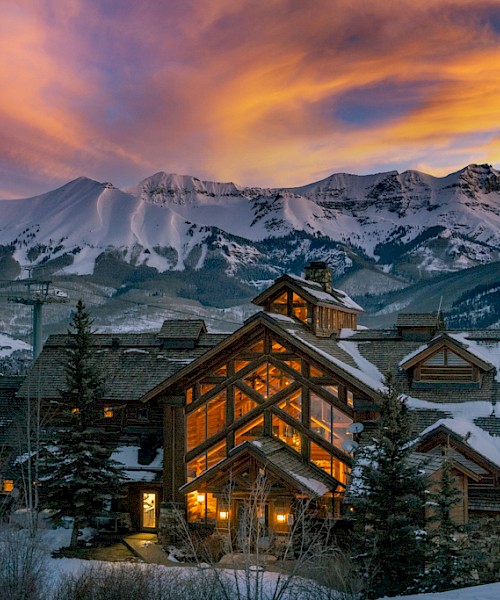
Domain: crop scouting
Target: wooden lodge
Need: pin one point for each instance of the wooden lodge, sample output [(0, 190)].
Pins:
[(200, 419)]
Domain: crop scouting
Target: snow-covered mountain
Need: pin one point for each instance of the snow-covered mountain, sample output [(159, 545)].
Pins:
[(406, 225)]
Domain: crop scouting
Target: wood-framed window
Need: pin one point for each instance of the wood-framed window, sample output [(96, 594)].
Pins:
[(445, 366), (329, 422)]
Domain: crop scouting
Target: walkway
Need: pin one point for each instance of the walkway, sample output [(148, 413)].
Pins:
[(145, 546)]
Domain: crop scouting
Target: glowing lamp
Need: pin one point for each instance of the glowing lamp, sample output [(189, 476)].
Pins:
[(200, 498), (223, 515), (280, 517)]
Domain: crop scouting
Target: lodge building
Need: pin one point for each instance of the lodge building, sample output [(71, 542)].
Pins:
[(200, 418)]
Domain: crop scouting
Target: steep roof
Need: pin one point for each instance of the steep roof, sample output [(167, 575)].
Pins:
[(311, 291), (325, 351), (132, 363)]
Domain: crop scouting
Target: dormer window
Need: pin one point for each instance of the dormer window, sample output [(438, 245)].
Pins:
[(299, 308), (445, 365), (292, 305), (280, 304), (445, 360)]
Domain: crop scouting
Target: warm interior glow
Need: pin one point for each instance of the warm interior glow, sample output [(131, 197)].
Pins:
[(200, 498), (8, 485), (281, 518), (223, 515), (108, 412)]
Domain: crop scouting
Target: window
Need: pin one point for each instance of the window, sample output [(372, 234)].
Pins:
[(286, 433), (242, 404), (445, 365), (206, 460), (329, 422), (299, 308), (267, 380), (8, 485), (206, 421), (331, 465), (280, 304), (108, 412), (293, 406), (250, 431)]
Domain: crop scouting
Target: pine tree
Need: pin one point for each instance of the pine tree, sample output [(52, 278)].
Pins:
[(79, 474), (388, 497), (450, 558)]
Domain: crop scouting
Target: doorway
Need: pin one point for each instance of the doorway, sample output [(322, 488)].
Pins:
[(149, 504), (252, 526)]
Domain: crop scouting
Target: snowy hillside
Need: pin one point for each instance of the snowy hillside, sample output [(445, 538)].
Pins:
[(412, 224)]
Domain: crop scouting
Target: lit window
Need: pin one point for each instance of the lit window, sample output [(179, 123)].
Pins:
[(280, 304), (329, 422), (242, 404), (299, 307), (293, 406), (294, 364), (277, 347), (8, 485), (221, 371), (108, 412), (286, 433), (316, 372), (206, 387), (75, 411), (267, 380), (250, 431), (258, 347)]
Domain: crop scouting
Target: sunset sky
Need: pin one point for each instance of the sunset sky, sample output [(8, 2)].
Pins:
[(260, 92)]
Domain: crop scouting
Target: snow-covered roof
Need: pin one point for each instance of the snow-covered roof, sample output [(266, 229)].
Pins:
[(476, 437)]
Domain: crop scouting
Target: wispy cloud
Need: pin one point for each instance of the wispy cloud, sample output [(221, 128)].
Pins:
[(269, 92)]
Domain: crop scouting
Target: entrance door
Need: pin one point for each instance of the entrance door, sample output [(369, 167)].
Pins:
[(149, 503), (252, 526)]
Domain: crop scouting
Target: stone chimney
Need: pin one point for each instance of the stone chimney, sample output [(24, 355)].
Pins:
[(319, 272)]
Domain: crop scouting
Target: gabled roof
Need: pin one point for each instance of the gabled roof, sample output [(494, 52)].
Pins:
[(310, 291), (132, 363), (440, 341), (324, 351), (431, 319), (182, 329), (470, 441), (279, 459)]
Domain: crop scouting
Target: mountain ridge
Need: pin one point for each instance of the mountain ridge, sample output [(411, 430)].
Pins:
[(411, 225)]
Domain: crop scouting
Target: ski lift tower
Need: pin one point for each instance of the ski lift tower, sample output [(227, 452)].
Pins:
[(35, 293)]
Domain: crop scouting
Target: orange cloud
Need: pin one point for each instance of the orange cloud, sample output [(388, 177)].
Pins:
[(262, 92)]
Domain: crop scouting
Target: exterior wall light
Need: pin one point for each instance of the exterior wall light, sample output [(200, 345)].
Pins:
[(223, 515), (280, 517)]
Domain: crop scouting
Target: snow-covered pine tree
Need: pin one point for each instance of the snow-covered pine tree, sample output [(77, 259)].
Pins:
[(450, 557), (388, 498), (79, 474)]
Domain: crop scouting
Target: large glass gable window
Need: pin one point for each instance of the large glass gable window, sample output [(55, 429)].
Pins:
[(267, 380)]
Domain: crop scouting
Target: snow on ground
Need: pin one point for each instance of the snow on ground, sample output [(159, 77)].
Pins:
[(480, 592), (53, 539), (9, 344)]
